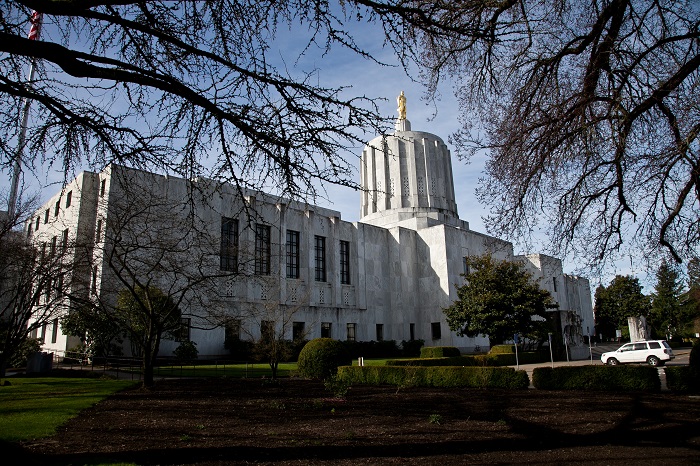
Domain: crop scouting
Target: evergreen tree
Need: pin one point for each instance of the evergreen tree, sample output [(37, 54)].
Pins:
[(623, 298), (668, 314), (498, 299)]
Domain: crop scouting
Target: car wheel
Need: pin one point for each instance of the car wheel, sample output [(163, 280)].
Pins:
[(613, 362), (653, 361)]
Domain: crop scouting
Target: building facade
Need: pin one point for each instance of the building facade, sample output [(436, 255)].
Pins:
[(386, 277)]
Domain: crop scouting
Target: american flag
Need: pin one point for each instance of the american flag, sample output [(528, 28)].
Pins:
[(36, 25)]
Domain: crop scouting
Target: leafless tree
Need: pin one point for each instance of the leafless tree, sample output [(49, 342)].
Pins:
[(270, 324), (178, 86), (156, 263), (589, 111)]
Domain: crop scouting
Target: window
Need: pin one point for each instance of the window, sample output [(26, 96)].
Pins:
[(57, 208), (412, 331), (228, 256), (297, 330), (52, 251), (326, 330), (554, 282), (64, 241), (232, 331), (262, 249), (43, 333), (94, 280), (43, 250), (292, 254), (46, 217), (320, 255), (267, 330), (466, 265), (54, 331), (38, 219), (345, 262), (29, 230), (33, 333), (183, 333), (98, 233), (59, 286), (654, 345), (102, 187), (351, 332), (380, 332), (435, 330), (69, 198)]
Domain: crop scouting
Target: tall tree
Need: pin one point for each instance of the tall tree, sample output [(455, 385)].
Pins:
[(621, 299), (498, 299), (590, 113), (669, 315), (693, 298)]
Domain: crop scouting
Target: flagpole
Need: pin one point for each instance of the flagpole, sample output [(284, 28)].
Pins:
[(17, 166)]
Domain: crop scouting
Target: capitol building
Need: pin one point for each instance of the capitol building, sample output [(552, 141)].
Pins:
[(300, 268)]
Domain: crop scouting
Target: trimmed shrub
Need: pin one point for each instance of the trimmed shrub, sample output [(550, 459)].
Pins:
[(372, 349), (491, 360), (439, 352), (320, 358), (642, 378), (414, 376), (682, 379), (502, 349), (411, 348)]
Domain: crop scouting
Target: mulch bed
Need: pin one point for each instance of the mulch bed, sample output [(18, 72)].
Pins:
[(231, 421)]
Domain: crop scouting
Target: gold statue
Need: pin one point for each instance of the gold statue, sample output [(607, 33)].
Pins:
[(401, 100)]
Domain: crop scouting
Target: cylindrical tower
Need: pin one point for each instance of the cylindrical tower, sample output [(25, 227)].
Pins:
[(406, 175)]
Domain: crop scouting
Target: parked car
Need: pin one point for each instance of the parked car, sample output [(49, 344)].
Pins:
[(653, 352)]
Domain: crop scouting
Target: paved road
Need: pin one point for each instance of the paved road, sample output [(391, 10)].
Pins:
[(681, 359)]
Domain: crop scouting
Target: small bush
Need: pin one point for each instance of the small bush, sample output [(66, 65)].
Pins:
[(611, 378), (439, 352), (414, 376), (695, 356), (682, 379), (187, 351), (26, 349), (320, 358)]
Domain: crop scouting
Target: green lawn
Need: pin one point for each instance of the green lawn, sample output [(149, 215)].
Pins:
[(226, 370), (34, 407)]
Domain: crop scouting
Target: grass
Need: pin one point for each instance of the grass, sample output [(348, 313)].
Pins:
[(377, 362), (226, 370), (33, 408)]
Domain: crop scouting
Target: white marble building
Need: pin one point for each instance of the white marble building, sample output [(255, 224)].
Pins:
[(386, 277)]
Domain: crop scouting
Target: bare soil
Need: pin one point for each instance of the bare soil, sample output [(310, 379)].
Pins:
[(231, 421)]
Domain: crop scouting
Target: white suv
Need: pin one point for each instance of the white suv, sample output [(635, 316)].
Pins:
[(655, 353)]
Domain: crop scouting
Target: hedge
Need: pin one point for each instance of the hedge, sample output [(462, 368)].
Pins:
[(439, 352), (682, 379), (502, 349), (491, 360), (643, 378), (466, 377)]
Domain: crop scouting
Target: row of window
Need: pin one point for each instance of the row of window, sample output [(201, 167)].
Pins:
[(233, 330), (229, 252), (56, 211)]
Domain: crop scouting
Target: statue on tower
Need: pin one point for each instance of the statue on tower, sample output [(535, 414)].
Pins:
[(401, 101)]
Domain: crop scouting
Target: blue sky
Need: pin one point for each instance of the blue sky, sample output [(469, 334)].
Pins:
[(344, 68)]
